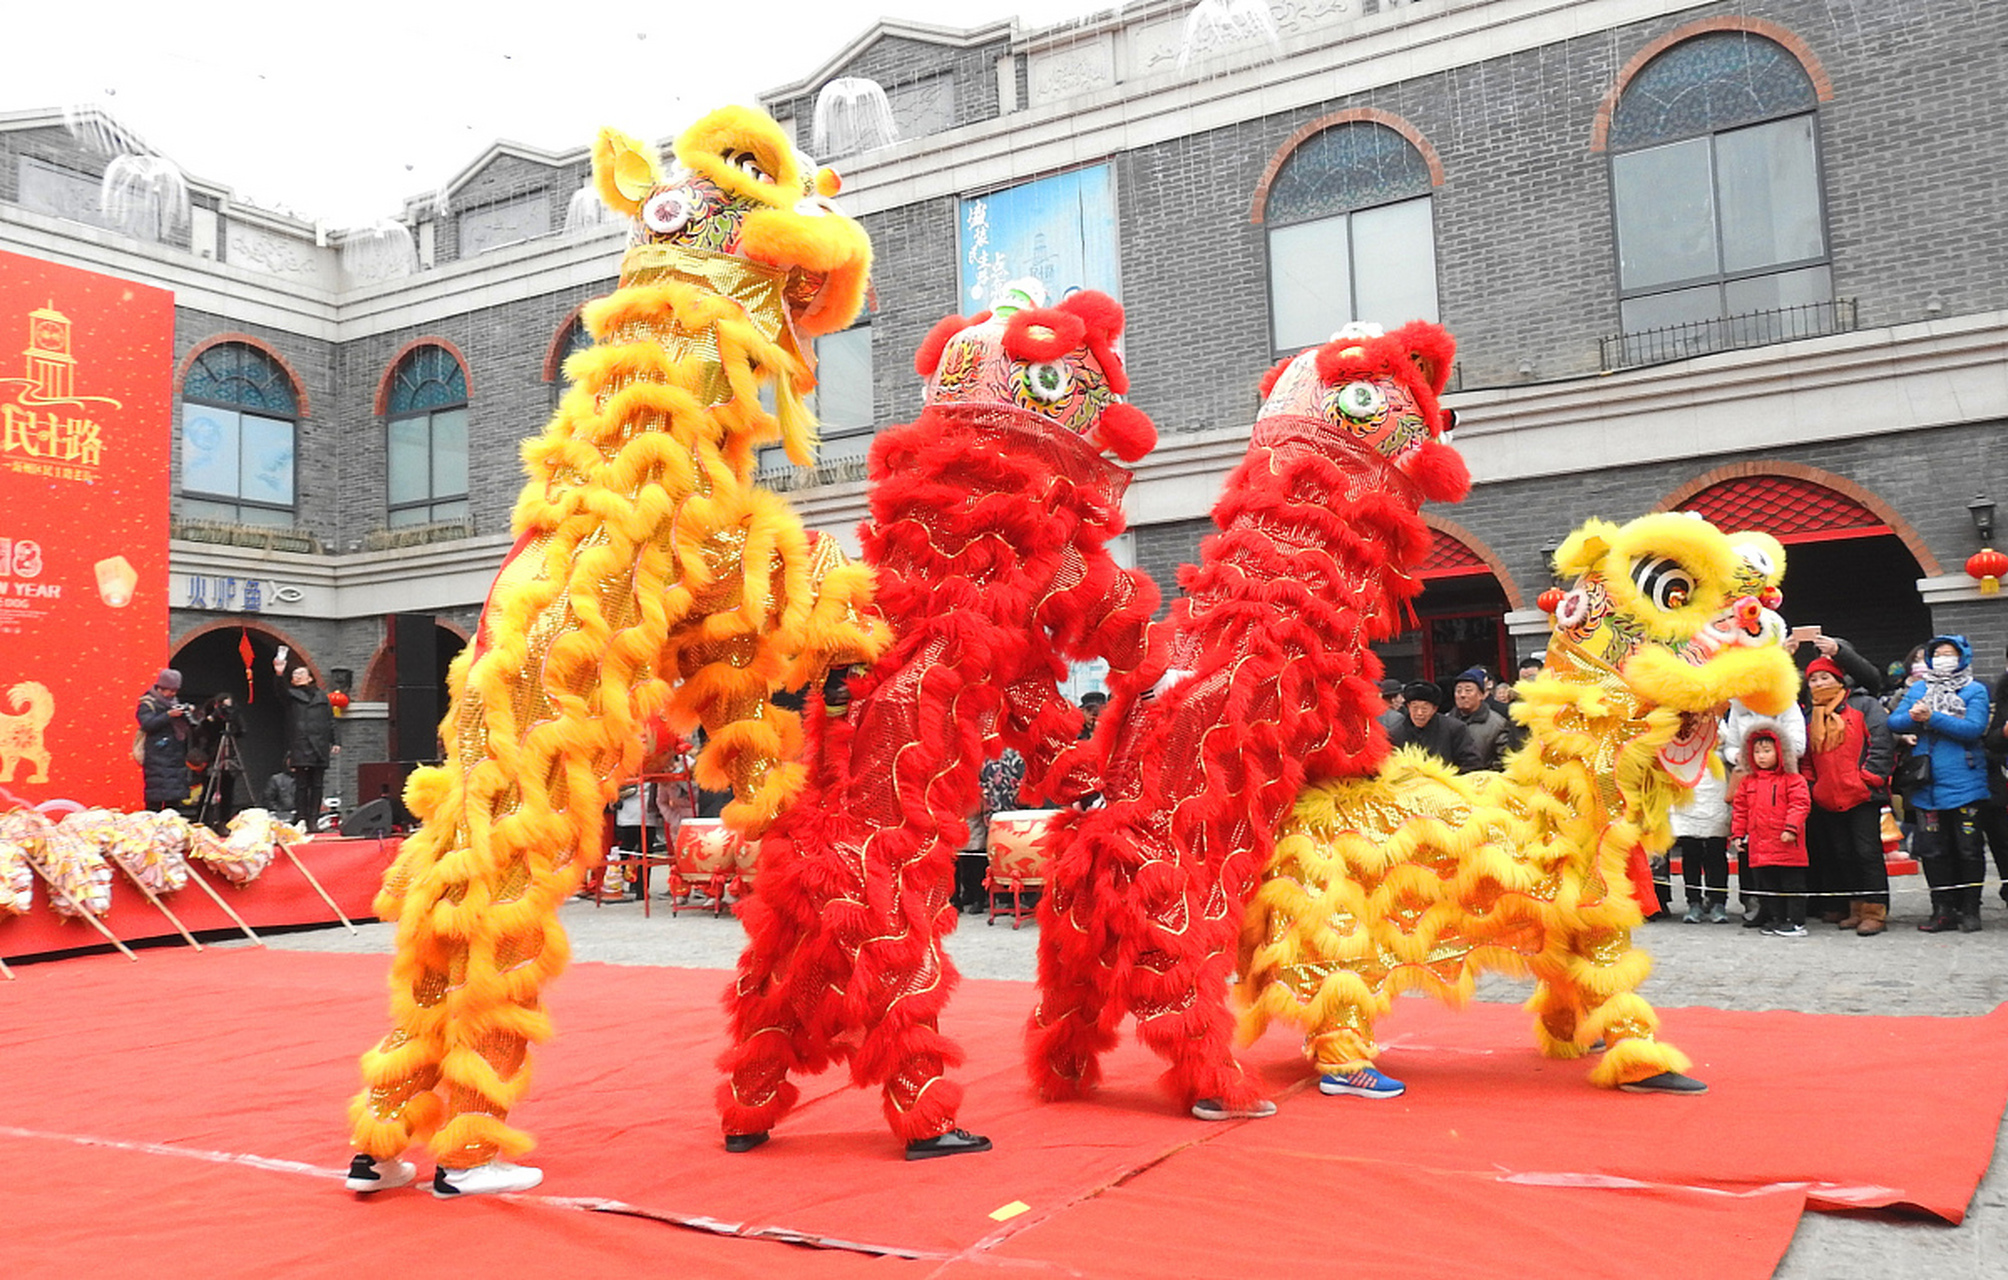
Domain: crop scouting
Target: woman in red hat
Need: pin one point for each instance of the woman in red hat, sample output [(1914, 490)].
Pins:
[(1847, 765)]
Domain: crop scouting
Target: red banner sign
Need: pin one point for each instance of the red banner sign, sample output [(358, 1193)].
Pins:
[(84, 427)]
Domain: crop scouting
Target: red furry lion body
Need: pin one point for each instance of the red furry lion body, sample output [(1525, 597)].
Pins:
[(1319, 530), (988, 533)]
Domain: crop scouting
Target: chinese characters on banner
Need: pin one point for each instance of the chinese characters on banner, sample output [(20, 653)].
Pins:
[(86, 364), (1060, 231)]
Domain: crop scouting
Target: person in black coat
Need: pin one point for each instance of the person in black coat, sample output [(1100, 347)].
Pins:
[(310, 736), (1994, 810), (1444, 737), (163, 719)]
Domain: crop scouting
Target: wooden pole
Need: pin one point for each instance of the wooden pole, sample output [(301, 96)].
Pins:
[(84, 912), (294, 859), (217, 898), (160, 906)]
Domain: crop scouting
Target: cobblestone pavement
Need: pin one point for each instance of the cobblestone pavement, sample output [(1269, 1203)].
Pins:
[(1903, 972)]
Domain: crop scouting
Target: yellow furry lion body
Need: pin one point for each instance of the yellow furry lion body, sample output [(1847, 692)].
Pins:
[(651, 578)]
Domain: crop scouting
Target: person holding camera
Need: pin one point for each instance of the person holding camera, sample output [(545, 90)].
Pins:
[(163, 752), (213, 760), (310, 736)]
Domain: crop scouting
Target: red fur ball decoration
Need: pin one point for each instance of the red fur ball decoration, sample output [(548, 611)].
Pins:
[(1440, 472), (1043, 333), (1103, 316), (1126, 431)]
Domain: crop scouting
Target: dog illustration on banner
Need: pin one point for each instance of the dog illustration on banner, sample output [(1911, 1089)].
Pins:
[(23, 731)]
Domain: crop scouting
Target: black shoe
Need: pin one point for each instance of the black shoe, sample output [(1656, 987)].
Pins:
[(956, 1142), (1755, 922), (1970, 923), (740, 1142), (1666, 1082), (1939, 923)]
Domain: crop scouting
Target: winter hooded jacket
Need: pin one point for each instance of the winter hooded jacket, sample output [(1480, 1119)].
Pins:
[(1951, 736), (1856, 770), (1766, 803)]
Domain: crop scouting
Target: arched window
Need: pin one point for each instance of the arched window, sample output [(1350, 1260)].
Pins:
[(238, 410), (576, 338), (427, 431), (1715, 173), (1351, 235)]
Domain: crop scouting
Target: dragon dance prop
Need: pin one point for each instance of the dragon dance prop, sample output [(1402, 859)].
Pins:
[(990, 518), (1319, 534), (651, 579), (1421, 878)]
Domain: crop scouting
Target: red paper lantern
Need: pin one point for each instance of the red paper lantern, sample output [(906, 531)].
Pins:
[(338, 700), (1990, 566), (1550, 599)]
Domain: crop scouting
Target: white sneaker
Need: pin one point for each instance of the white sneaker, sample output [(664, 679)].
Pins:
[(367, 1175), (1215, 1109), (497, 1177)]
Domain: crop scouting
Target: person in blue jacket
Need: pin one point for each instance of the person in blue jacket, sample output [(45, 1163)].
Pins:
[(1947, 709)]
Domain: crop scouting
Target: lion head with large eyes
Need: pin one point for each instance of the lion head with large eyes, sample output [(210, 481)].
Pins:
[(1058, 363), (1684, 613), (1381, 392), (739, 188)]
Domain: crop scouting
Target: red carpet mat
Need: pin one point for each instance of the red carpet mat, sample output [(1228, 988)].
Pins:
[(350, 870), (1495, 1155)]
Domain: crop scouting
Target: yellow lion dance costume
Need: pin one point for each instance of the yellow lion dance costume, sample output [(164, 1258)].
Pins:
[(651, 578), (1421, 877)]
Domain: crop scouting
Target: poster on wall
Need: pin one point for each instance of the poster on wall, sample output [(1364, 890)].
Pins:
[(86, 365), (1060, 231)]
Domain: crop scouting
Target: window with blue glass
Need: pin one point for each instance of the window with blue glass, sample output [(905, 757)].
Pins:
[(426, 453), (1715, 177), (1352, 235), (238, 414)]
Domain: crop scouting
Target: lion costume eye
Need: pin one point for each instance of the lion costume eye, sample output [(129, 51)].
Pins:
[(1048, 381), (747, 163), (1663, 582), (1361, 401), (668, 210)]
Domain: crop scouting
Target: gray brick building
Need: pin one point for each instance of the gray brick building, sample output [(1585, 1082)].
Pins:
[(1741, 258)]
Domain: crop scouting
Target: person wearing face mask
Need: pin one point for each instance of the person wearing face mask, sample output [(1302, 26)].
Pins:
[(1947, 709)]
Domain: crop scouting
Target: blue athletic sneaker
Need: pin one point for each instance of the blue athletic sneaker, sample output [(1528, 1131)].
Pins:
[(1364, 1083)]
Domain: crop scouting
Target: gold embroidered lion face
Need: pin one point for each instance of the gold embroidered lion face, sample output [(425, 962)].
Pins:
[(739, 188), (1686, 614)]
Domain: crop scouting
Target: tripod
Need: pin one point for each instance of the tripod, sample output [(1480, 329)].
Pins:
[(213, 806)]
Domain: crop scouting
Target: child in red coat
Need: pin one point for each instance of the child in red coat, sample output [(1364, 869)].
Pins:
[(1768, 806)]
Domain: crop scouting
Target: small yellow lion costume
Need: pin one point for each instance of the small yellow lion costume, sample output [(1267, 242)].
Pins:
[(1422, 877), (650, 578)]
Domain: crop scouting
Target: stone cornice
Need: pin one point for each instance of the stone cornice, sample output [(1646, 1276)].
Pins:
[(1874, 382), (1366, 53)]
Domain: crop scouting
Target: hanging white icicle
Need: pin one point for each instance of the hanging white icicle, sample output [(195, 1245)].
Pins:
[(852, 115), (381, 251), (1220, 26), (586, 213), (144, 196)]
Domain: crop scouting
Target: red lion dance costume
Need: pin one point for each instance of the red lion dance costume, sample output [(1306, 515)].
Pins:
[(990, 518), (1319, 533)]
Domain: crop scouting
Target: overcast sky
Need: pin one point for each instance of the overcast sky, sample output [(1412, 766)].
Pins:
[(340, 111)]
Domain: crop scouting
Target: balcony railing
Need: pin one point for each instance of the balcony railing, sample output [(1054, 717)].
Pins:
[(256, 536), (1752, 329)]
